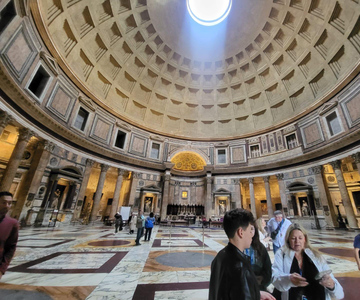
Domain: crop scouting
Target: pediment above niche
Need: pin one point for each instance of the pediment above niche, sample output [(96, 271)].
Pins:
[(221, 145), (327, 107), (50, 62), (123, 126), (222, 191), (87, 102), (156, 138)]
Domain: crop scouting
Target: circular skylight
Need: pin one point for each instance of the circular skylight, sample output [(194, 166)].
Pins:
[(209, 12)]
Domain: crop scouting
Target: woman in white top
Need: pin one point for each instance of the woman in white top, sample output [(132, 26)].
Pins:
[(263, 234), (300, 272)]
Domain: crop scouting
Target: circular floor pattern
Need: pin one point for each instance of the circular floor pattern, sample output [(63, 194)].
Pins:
[(109, 243), (338, 252), (185, 259)]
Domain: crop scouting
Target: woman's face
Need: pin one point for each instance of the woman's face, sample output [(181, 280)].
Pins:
[(263, 223), (297, 240)]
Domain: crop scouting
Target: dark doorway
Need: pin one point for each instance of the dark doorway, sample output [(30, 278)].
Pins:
[(356, 196)]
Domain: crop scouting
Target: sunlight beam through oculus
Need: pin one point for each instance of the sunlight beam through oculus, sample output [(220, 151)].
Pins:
[(209, 12)]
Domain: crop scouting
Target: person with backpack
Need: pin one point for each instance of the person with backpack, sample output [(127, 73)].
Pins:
[(278, 226), (149, 224)]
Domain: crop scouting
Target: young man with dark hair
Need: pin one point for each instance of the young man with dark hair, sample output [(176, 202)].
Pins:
[(9, 230), (231, 273)]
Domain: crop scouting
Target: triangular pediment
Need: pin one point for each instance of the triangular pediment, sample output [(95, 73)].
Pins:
[(151, 187), (327, 107), (87, 102), (50, 62), (222, 191)]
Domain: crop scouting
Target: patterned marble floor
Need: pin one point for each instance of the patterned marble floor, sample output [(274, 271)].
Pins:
[(90, 262)]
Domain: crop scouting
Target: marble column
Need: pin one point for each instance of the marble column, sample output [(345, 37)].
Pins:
[(134, 184), (208, 201), (238, 198), (268, 196), (252, 197), (165, 197), (31, 182), (177, 197), (192, 193), (328, 207), (116, 198), (356, 158), (5, 119), (344, 194), (15, 159), (282, 190), (84, 183), (98, 193)]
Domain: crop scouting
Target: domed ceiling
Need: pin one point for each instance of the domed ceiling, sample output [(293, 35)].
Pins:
[(151, 64)]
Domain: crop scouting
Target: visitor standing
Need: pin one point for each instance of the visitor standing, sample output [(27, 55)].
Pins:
[(231, 273), (140, 224), (278, 226), (149, 224), (357, 250), (118, 222), (9, 231)]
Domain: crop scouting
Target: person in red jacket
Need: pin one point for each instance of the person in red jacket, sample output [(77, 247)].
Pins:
[(9, 231)]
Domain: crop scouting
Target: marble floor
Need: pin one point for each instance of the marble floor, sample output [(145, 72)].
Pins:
[(91, 262)]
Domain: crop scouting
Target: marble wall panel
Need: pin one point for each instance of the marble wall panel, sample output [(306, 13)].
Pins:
[(312, 133), (19, 53), (138, 145), (238, 154), (61, 102), (101, 129), (351, 107)]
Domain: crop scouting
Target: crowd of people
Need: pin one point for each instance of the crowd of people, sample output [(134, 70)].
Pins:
[(243, 270)]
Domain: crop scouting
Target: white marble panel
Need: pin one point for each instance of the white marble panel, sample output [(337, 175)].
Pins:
[(75, 261), (202, 294)]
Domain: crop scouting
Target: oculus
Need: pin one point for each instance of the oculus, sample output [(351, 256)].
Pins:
[(209, 12)]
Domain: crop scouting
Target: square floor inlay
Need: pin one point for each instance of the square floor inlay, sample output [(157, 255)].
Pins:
[(72, 262)]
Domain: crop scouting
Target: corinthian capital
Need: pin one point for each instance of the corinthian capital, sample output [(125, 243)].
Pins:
[(25, 134), (356, 157), (336, 164), (251, 180), (104, 168), (317, 169), (5, 118), (280, 176)]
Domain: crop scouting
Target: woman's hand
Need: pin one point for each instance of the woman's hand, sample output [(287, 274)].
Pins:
[(298, 280), (266, 296), (327, 282)]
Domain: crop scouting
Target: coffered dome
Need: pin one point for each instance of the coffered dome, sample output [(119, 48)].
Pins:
[(152, 65)]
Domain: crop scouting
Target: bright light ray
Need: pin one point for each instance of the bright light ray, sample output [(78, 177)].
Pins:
[(209, 12)]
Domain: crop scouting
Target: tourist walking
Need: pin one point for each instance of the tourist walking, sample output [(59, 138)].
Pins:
[(149, 224)]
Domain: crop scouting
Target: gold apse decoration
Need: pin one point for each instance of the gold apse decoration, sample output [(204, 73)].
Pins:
[(188, 161)]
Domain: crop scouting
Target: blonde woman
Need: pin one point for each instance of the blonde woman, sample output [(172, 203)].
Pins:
[(263, 234), (300, 272)]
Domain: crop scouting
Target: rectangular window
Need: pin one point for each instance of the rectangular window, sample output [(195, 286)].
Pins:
[(5, 135), (333, 123), (120, 139), (81, 119), (184, 195), (7, 15), (39, 82), (291, 141), (155, 151), (221, 156), (255, 151)]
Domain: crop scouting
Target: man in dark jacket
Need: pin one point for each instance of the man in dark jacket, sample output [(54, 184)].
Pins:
[(9, 230), (231, 273)]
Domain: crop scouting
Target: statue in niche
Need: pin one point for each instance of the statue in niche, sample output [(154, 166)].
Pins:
[(222, 207)]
